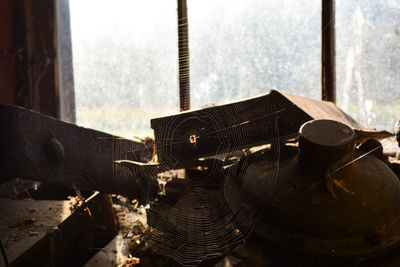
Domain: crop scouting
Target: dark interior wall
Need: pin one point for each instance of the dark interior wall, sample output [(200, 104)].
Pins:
[(28, 55), (41, 46), (8, 79)]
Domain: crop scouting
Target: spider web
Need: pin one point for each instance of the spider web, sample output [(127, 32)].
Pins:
[(219, 200)]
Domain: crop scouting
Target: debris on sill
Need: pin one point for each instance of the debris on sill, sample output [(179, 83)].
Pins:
[(24, 222), (122, 250)]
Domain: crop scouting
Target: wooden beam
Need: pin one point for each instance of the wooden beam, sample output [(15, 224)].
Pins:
[(328, 50), (183, 46)]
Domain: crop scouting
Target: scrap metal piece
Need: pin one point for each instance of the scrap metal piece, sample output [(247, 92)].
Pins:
[(39, 147), (331, 201), (182, 138)]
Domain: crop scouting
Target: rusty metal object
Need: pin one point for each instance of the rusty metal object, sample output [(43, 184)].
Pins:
[(323, 143), (184, 137), (346, 210), (319, 205), (38, 147), (54, 150)]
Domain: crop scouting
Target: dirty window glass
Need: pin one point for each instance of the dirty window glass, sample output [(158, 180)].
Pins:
[(125, 63), (368, 60), (243, 48)]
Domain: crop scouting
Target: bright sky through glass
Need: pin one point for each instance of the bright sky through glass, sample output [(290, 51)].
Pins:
[(245, 48), (125, 60)]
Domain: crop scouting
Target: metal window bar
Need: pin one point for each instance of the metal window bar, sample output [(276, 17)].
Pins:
[(328, 50), (183, 47)]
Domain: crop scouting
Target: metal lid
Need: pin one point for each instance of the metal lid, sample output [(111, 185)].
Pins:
[(325, 141)]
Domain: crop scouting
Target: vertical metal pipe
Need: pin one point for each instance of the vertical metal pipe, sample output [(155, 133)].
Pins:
[(183, 46), (328, 50)]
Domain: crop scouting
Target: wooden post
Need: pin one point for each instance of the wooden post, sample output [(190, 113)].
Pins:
[(36, 56), (328, 50), (183, 46)]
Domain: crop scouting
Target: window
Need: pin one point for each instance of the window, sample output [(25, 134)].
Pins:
[(368, 61), (125, 63), (243, 48), (125, 57)]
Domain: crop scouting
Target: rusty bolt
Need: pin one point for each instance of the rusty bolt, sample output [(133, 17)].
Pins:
[(54, 150)]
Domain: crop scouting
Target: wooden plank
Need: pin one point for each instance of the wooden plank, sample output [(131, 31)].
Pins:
[(185, 137), (67, 154), (318, 109)]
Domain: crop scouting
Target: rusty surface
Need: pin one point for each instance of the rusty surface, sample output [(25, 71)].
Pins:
[(38, 147), (185, 137), (42, 148), (343, 211)]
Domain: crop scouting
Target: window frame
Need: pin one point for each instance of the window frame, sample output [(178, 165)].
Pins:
[(328, 74), (327, 55)]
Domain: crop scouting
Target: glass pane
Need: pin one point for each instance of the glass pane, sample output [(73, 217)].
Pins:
[(125, 63), (368, 60), (243, 48)]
